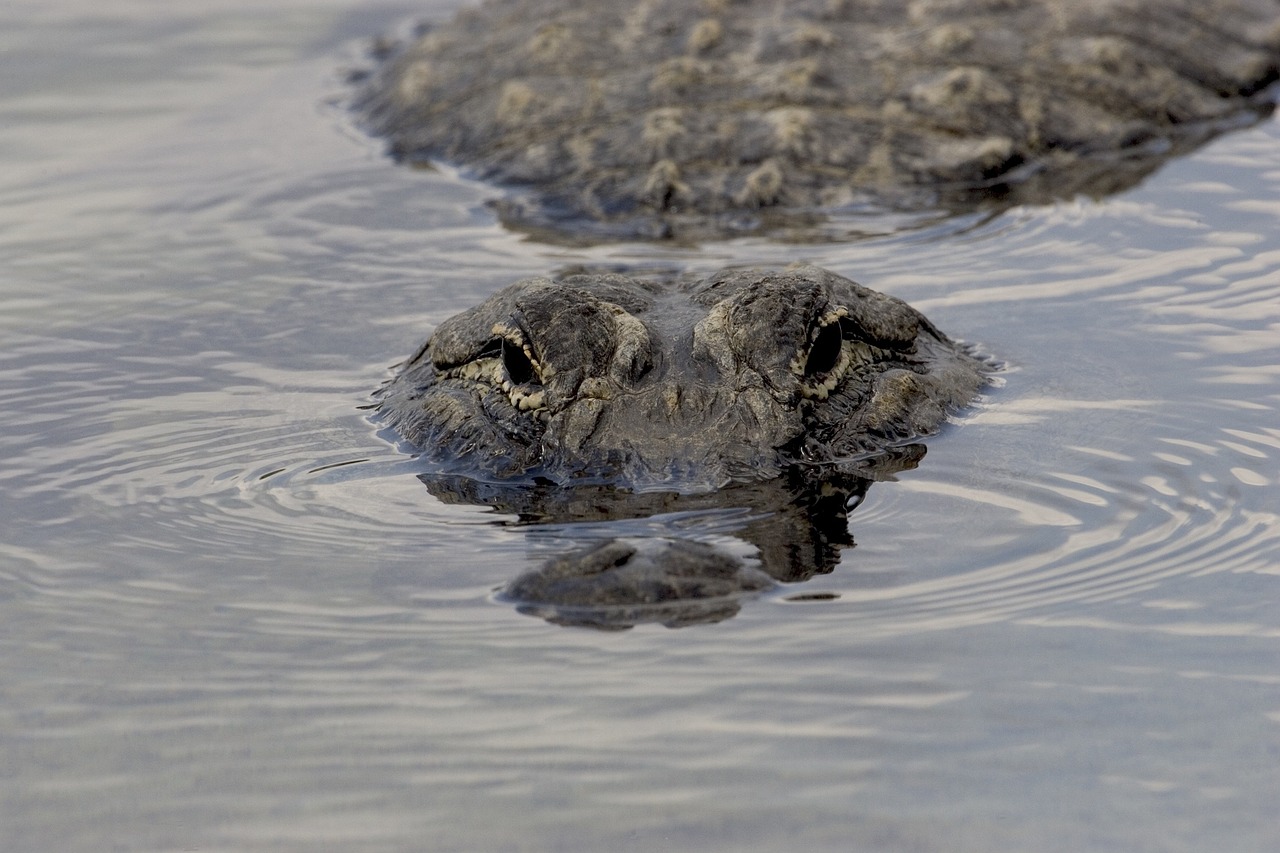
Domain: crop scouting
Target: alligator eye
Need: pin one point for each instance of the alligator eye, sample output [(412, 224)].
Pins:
[(520, 376), (825, 364), (824, 352), (519, 367), (504, 364)]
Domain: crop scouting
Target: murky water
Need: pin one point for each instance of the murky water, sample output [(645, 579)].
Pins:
[(235, 620)]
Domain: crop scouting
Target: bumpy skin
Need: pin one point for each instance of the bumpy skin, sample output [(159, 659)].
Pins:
[(691, 384), (660, 117)]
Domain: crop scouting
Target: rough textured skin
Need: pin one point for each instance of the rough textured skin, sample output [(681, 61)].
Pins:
[(704, 117), (688, 384)]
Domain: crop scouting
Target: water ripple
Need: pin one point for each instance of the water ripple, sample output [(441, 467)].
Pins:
[(1097, 531)]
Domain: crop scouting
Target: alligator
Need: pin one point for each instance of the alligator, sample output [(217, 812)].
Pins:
[(670, 118), (786, 392)]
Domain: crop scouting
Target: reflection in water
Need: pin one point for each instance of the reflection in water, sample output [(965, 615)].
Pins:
[(796, 526), (624, 582)]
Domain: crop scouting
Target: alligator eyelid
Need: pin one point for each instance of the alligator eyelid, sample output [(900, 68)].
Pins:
[(851, 330)]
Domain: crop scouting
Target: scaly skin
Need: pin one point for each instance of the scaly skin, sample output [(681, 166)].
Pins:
[(693, 119)]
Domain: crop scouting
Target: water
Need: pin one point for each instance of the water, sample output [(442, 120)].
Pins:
[(235, 620)]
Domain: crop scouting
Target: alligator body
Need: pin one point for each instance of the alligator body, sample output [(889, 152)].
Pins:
[(668, 117)]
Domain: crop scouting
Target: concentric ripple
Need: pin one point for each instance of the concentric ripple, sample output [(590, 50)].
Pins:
[(1143, 526), (201, 396)]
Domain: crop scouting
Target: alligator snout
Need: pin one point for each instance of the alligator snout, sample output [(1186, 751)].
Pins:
[(695, 434)]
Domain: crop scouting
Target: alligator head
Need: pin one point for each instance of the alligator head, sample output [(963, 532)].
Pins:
[(686, 384)]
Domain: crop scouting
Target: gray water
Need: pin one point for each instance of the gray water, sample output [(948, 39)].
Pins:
[(234, 619)]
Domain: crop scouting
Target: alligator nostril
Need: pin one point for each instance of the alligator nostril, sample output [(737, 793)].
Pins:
[(671, 399)]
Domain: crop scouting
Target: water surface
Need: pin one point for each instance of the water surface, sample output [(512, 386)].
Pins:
[(236, 620)]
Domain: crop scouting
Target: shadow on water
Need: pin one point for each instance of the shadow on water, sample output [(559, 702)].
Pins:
[(754, 538)]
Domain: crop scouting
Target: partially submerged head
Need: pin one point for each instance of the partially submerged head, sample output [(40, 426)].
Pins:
[(689, 384)]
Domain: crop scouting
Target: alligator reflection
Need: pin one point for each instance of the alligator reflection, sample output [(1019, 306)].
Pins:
[(796, 525)]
